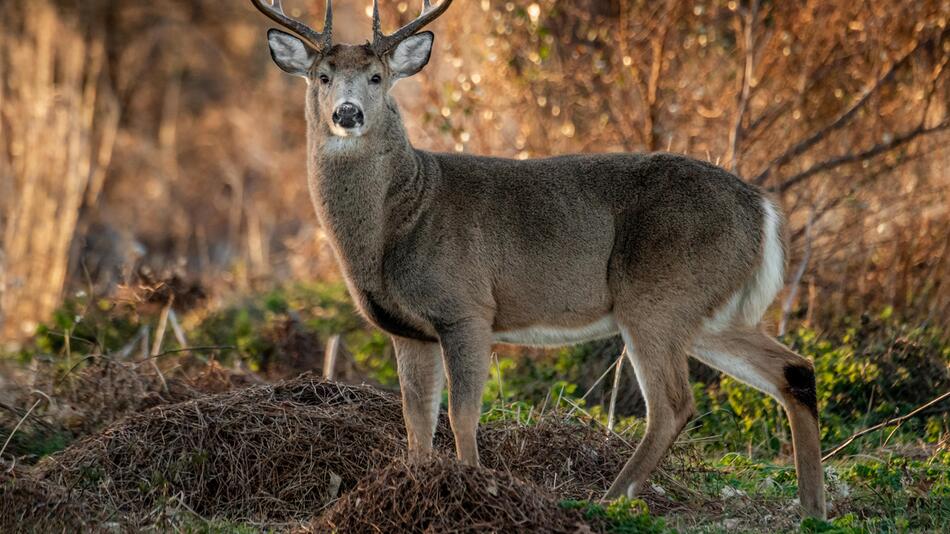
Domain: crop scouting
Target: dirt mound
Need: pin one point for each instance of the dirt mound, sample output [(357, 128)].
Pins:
[(441, 495), (264, 453)]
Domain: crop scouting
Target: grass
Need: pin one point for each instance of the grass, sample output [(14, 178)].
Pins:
[(623, 516), (866, 495)]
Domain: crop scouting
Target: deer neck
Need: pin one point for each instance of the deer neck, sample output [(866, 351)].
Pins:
[(359, 186)]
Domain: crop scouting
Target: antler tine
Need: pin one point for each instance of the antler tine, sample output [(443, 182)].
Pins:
[(384, 43), (377, 33), (274, 9)]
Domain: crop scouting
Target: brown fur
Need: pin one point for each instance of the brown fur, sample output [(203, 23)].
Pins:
[(447, 250)]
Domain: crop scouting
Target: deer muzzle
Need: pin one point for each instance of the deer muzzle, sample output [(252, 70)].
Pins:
[(348, 115)]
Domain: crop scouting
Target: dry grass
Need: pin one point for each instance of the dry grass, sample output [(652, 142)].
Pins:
[(265, 453), (280, 454), (440, 495), (569, 459), (30, 505), (324, 456), (104, 389)]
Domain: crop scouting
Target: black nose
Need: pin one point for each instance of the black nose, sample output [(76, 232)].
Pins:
[(348, 115)]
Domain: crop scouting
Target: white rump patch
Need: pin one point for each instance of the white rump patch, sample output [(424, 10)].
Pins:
[(747, 306), (558, 336), (771, 276)]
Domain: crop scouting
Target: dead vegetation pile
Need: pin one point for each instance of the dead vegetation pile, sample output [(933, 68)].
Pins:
[(572, 460), (63, 403), (30, 505), (441, 495), (264, 453), (281, 454)]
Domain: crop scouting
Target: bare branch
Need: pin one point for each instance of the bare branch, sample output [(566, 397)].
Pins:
[(876, 150), (842, 119), (896, 420), (749, 44), (855, 187)]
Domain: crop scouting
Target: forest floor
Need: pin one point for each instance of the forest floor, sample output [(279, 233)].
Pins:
[(215, 452)]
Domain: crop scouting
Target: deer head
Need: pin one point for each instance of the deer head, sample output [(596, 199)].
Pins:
[(349, 84)]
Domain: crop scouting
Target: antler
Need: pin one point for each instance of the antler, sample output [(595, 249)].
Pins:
[(384, 43), (274, 9)]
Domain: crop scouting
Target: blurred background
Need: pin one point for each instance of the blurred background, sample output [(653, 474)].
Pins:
[(152, 162)]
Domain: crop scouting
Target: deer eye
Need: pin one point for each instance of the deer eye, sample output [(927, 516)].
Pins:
[(376, 78), (324, 79)]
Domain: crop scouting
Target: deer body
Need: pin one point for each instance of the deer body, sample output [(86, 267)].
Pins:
[(450, 253), (433, 244)]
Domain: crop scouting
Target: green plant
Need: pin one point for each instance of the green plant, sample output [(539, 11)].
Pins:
[(622, 516), (265, 328)]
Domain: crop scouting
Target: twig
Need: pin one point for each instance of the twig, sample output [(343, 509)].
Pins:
[(614, 392), (897, 420), (501, 389), (856, 186), (177, 329), (22, 419), (162, 326), (191, 349), (594, 385), (735, 134), (145, 336), (125, 351), (330, 355), (94, 344), (544, 406), (159, 337), (597, 421)]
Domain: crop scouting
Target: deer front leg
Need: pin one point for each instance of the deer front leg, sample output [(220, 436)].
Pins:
[(466, 351), (421, 378)]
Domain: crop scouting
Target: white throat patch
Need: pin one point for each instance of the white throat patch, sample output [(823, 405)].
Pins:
[(336, 143)]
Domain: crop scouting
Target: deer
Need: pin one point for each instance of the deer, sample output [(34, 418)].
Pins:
[(450, 253)]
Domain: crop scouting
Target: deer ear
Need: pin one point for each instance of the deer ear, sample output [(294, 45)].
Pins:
[(290, 53), (411, 55)]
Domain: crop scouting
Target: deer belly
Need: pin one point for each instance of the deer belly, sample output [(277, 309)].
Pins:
[(554, 336)]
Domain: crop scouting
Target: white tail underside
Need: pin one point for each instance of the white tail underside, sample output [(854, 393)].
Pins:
[(748, 305)]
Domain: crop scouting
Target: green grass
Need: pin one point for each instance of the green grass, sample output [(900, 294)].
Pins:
[(623, 516), (735, 495), (894, 494)]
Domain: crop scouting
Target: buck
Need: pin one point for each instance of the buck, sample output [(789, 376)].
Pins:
[(450, 253)]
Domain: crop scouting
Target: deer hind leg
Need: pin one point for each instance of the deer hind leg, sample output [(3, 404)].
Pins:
[(466, 349), (420, 380), (756, 359), (661, 368)]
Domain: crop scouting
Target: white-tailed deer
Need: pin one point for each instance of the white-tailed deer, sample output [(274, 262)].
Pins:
[(450, 253)]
